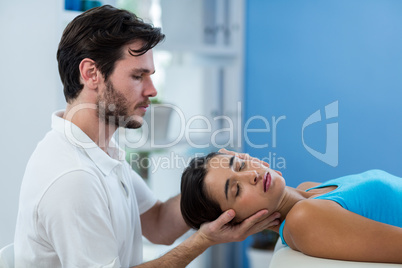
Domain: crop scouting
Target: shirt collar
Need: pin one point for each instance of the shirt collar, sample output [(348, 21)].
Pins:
[(106, 162)]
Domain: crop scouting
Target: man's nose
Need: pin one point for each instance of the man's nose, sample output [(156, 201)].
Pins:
[(150, 90)]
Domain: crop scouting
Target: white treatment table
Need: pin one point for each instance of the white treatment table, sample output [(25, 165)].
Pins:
[(285, 257)]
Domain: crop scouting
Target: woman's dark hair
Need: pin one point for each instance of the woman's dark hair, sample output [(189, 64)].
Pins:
[(195, 204), (99, 34)]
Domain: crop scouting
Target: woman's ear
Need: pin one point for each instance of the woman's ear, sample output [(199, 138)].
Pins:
[(89, 73)]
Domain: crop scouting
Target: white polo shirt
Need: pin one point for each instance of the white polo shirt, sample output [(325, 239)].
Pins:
[(79, 207)]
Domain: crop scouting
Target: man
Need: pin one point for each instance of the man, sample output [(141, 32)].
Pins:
[(81, 205)]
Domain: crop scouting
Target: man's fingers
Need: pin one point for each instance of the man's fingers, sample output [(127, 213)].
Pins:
[(240, 155), (273, 223), (257, 161), (257, 217), (223, 151), (264, 163), (273, 218), (266, 223), (244, 156), (260, 221), (225, 217), (268, 219)]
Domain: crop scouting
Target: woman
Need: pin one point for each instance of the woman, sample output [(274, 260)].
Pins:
[(355, 218)]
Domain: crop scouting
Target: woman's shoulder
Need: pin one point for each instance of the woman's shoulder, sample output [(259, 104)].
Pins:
[(301, 209), (309, 212), (298, 221), (305, 217)]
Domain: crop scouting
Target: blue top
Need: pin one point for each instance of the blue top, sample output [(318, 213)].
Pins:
[(374, 194)]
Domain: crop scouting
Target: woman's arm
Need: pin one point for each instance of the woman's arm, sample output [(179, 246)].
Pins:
[(322, 228)]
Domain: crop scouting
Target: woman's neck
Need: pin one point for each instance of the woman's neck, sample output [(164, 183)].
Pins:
[(290, 198)]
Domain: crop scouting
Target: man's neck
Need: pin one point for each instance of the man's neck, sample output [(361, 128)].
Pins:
[(84, 116)]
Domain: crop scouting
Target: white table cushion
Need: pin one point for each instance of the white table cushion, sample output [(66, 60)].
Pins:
[(285, 257)]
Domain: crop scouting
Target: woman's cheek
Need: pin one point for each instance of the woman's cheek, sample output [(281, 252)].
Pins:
[(249, 205)]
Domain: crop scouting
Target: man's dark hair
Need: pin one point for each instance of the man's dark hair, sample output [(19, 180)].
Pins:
[(195, 204), (99, 34)]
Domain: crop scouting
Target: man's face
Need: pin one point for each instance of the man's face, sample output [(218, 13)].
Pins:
[(124, 97)]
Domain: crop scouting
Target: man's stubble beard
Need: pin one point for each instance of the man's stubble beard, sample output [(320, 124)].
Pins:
[(112, 108)]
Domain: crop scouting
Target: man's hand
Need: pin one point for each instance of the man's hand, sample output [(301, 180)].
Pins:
[(246, 156), (219, 231)]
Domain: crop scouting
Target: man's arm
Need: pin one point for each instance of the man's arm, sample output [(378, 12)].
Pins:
[(181, 255), (213, 233), (163, 223)]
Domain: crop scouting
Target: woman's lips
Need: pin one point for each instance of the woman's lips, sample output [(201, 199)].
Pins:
[(267, 181)]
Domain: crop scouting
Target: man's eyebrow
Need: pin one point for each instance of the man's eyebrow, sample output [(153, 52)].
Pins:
[(143, 70), (228, 180)]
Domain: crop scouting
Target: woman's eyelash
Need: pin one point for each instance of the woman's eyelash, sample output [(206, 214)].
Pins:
[(238, 190), (242, 165)]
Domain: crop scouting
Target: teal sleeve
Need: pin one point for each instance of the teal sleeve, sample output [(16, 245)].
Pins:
[(281, 233)]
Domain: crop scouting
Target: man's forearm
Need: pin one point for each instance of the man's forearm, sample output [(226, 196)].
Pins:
[(212, 233), (163, 223), (181, 255), (171, 221)]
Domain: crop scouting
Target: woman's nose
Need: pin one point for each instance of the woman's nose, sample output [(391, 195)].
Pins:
[(253, 177)]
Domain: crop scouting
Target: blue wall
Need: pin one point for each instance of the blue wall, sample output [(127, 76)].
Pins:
[(304, 55)]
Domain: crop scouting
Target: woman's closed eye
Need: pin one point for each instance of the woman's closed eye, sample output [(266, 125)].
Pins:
[(238, 189), (242, 165)]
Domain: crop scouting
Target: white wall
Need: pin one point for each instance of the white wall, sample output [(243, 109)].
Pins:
[(30, 91)]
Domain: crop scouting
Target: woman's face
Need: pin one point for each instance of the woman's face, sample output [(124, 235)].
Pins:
[(243, 185)]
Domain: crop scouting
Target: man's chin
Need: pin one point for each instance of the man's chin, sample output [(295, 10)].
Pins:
[(132, 125), (133, 122)]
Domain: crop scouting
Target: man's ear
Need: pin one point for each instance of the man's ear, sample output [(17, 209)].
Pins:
[(90, 76)]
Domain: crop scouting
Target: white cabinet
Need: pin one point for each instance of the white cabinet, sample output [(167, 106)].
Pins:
[(205, 75), (211, 27)]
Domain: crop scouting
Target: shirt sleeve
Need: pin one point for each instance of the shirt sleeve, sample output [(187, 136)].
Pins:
[(73, 216)]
